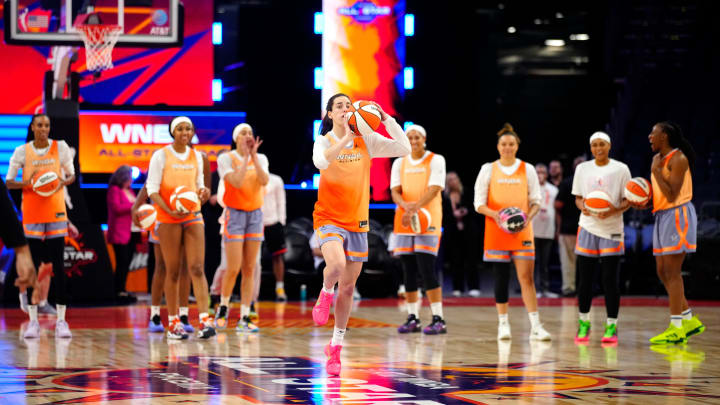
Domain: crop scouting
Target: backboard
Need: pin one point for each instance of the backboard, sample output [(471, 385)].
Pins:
[(145, 23)]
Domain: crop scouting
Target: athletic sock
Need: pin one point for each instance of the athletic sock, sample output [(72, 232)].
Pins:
[(585, 317), (611, 321), (534, 319), (279, 284), (60, 312), (32, 312), (676, 320), (154, 310), (414, 308), (225, 300), (184, 311), (687, 314), (328, 290), (244, 311), (503, 318), (436, 308), (338, 335)]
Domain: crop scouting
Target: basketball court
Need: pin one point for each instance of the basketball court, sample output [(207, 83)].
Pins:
[(147, 46)]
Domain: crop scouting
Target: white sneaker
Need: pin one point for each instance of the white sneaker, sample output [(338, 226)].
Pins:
[(539, 333), (62, 330), (474, 293), (457, 293), (32, 331), (24, 302), (504, 331)]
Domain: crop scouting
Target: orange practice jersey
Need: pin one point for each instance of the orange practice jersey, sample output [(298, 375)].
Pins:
[(508, 191), (176, 173), (414, 183), (344, 191), (660, 201), (37, 209), (249, 196)]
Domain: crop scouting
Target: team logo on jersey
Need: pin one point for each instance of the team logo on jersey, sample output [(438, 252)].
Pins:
[(364, 11)]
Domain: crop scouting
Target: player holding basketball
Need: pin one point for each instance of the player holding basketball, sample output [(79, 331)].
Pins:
[(510, 182), (416, 182), (341, 215), (600, 237), (170, 167), (45, 219), (245, 173), (675, 232)]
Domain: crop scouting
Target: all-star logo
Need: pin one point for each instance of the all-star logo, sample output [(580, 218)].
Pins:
[(76, 256), (365, 11)]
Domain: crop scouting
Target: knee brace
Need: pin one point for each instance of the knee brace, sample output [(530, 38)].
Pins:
[(426, 265), (501, 271), (410, 272)]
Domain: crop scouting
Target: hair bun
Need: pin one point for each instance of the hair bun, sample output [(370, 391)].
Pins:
[(507, 128)]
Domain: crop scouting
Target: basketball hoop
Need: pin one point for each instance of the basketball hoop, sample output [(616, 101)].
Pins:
[(99, 41)]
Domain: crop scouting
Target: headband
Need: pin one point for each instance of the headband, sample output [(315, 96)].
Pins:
[(600, 135), (238, 128), (177, 121), (415, 127)]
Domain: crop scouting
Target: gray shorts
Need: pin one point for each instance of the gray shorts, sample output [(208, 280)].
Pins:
[(506, 256), (590, 245), (675, 230), (409, 244), (243, 225), (355, 244), (47, 230)]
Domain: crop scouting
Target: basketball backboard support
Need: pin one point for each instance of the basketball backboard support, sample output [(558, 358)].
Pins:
[(145, 23)]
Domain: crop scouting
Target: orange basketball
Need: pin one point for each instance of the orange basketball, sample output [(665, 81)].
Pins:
[(420, 221), (638, 191), (147, 215), (597, 201), (184, 200), (44, 182), (365, 118)]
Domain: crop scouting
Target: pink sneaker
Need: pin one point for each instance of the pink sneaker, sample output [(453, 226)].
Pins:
[(321, 310), (332, 366)]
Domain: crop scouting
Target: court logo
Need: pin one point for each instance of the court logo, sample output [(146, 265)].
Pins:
[(365, 11)]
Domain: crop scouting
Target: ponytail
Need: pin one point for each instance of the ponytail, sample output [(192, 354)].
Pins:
[(327, 123), (507, 129), (677, 140)]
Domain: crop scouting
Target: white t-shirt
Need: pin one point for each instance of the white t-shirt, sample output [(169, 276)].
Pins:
[(273, 208), (611, 179), (544, 222), (157, 165), (17, 160), (482, 183), (437, 170), (377, 145)]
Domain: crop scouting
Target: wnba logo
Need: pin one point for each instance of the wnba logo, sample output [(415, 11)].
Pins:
[(364, 11)]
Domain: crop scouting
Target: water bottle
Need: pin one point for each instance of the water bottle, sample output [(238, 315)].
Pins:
[(303, 292)]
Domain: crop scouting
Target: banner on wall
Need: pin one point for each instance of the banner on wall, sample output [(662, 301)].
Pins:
[(109, 139), (363, 56)]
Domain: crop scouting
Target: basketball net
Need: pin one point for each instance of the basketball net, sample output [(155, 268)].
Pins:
[(99, 41)]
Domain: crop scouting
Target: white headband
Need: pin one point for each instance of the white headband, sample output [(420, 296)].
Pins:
[(415, 127), (238, 128), (177, 121), (600, 135)]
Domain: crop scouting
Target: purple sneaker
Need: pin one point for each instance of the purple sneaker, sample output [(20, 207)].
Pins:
[(436, 327), (412, 325)]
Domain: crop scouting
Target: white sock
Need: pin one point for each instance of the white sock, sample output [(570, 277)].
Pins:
[(279, 284), (687, 314), (611, 321), (534, 319), (32, 312), (225, 300), (584, 317), (173, 318), (328, 290), (203, 316), (244, 310), (60, 312), (436, 308), (503, 318), (184, 311), (676, 320), (338, 335), (154, 310), (414, 308), (42, 303)]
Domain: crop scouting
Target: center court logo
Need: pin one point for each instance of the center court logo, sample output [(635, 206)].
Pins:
[(299, 380), (364, 11)]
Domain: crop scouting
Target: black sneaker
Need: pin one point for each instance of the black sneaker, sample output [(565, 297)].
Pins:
[(436, 327), (186, 324), (206, 330), (412, 325), (221, 317)]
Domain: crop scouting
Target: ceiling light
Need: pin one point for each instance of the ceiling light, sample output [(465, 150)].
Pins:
[(579, 37), (511, 30), (554, 42)]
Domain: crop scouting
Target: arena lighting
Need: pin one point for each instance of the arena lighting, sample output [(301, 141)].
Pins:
[(303, 184), (217, 33), (134, 172), (579, 37), (558, 15), (409, 25), (316, 129), (407, 124), (319, 23), (318, 78), (217, 87), (316, 180), (409, 78), (511, 30), (554, 42)]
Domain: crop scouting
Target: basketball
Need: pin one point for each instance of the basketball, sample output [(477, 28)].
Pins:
[(184, 200), (147, 214), (420, 221), (512, 219), (45, 182), (365, 118), (597, 201), (638, 191)]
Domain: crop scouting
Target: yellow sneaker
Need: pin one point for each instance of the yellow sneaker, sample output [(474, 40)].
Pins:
[(693, 326), (280, 294), (672, 334)]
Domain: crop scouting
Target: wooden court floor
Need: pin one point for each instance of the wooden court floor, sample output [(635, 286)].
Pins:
[(112, 359)]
